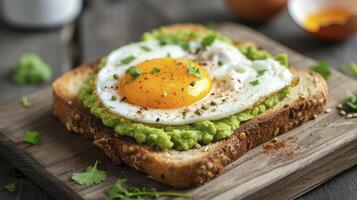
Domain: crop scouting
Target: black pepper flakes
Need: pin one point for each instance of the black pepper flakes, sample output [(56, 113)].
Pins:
[(204, 107), (157, 119), (113, 98), (193, 83), (220, 63), (123, 99), (115, 76), (213, 103), (198, 112)]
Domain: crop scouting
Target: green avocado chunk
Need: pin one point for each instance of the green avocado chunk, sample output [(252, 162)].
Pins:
[(31, 69), (182, 137)]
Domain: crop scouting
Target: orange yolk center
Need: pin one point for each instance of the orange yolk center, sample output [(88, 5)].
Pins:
[(165, 83)]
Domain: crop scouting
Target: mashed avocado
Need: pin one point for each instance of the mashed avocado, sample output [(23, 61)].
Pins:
[(183, 137), (31, 69)]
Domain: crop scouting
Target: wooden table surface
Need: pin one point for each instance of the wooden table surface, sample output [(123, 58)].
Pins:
[(108, 24)]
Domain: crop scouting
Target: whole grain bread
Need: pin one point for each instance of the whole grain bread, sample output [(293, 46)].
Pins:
[(186, 169)]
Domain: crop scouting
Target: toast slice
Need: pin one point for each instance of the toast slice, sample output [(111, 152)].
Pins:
[(186, 169)]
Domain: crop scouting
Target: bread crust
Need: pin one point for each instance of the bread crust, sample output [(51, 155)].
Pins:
[(191, 168)]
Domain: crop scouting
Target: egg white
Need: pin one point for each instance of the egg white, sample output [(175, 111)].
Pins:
[(232, 91)]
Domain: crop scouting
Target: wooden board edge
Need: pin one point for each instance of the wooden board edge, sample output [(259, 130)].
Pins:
[(315, 174), (31, 168)]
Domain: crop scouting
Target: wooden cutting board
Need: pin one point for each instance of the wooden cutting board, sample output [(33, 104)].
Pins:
[(317, 151)]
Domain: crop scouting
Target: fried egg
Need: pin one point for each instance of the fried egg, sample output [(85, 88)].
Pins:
[(164, 84)]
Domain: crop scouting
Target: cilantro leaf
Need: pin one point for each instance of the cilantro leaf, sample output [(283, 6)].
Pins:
[(32, 137), (128, 59), (25, 102), (91, 176), (350, 69), (352, 101), (155, 70), (322, 68), (254, 83), (145, 48), (194, 71), (208, 40), (11, 187), (261, 72), (134, 72), (117, 191)]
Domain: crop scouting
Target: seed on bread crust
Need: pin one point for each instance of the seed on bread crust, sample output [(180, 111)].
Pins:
[(242, 136)]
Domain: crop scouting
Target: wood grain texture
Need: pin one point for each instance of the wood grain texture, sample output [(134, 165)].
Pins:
[(319, 144)]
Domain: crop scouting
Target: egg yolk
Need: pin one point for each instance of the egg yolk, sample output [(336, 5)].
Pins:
[(165, 83)]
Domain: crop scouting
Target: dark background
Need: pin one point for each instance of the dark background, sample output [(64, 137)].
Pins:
[(108, 24)]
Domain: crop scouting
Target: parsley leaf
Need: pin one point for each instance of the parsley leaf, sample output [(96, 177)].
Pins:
[(350, 69), (261, 72), (117, 191), (25, 102), (254, 83), (155, 70), (134, 72), (208, 40), (145, 48), (352, 101), (32, 137), (194, 71), (11, 187), (322, 68), (128, 59), (91, 176)]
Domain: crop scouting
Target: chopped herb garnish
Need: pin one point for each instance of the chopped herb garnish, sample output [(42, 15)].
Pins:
[(11, 187), (261, 72), (350, 69), (115, 76), (91, 176), (168, 55), (113, 98), (194, 71), (208, 40), (323, 69), (117, 191), (134, 72), (145, 48), (254, 83), (155, 70), (128, 60), (352, 101), (25, 102), (32, 137)]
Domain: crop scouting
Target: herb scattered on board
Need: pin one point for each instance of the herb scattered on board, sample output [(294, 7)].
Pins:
[(10, 187), (155, 70), (322, 68), (32, 137), (31, 69), (145, 48), (134, 72), (254, 83), (352, 101), (350, 69), (194, 71), (261, 72), (25, 102), (91, 176), (117, 191), (128, 60)]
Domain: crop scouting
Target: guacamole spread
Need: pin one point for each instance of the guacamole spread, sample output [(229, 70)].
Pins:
[(182, 137)]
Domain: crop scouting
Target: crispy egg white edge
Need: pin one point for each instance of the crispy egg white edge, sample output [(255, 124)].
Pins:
[(228, 103)]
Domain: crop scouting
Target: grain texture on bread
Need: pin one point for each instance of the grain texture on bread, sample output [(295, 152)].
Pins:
[(185, 169)]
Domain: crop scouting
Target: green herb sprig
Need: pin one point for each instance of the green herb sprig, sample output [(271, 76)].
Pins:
[(134, 72), (254, 83), (261, 72), (32, 137), (352, 101), (128, 59), (117, 191), (322, 68), (155, 70), (91, 176), (10, 187), (350, 69), (25, 102), (194, 71)]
